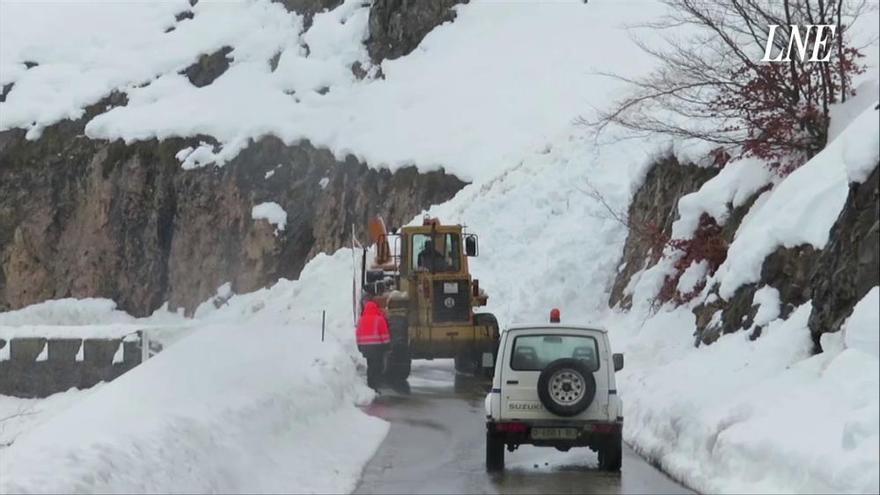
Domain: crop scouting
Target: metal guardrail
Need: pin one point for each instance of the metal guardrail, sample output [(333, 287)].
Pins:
[(39, 367)]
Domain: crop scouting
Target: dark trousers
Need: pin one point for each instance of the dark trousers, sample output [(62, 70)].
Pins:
[(375, 356)]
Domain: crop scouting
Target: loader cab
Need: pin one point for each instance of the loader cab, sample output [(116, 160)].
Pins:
[(435, 253), (431, 249)]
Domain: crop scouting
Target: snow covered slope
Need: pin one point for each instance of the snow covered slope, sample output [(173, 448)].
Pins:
[(253, 402), (491, 97), (760, 415), (451, 103)]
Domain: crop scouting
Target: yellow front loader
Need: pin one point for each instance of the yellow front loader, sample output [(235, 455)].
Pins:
[(420, 277)]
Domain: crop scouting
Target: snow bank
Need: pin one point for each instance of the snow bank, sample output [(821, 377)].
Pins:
[(70, 311), (252, 401), (89, 318), (21, 415), (862, 329), (272, 212), (744, 416)]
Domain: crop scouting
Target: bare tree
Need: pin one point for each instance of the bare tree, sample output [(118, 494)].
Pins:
[(712, 85)]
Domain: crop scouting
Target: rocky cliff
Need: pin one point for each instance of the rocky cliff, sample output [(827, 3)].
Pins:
[(650, 216), (82, 217), (834, 278)]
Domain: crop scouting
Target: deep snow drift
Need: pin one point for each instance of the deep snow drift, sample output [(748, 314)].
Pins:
[(252, 401)]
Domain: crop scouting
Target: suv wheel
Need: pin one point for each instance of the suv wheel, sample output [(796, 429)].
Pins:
[(566, 387), (494, 452), (611, 454)]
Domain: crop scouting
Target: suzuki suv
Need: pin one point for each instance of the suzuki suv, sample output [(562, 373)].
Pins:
[(554, 387)]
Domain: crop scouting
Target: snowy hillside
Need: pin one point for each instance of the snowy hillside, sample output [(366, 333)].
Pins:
[(491, 97), (454, 89)]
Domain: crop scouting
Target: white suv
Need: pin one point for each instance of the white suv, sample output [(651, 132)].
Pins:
[(554, 386)]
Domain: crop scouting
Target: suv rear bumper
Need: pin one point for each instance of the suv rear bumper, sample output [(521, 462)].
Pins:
[(593, 434)]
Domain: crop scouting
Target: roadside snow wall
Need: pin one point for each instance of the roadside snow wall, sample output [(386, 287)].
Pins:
[(252, 402)]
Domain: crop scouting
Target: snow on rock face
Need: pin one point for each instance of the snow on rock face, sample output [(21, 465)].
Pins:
[(692, 276), (862, 148), (862, 329), (767, 299), (732, 187), (455, 85), (801, 209), (252, 401), (272, 212)]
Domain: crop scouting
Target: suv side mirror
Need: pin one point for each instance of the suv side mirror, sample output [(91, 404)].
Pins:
[(470, 246), (617, 358)]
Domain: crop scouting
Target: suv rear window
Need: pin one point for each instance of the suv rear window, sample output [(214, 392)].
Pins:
[(535, 352)]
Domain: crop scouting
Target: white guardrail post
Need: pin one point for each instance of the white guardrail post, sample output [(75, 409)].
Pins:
[(145, 345)]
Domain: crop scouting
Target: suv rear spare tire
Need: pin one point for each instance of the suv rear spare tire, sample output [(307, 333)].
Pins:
[(566, 387)]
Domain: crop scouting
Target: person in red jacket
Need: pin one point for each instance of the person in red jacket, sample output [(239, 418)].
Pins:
[(373, 340)]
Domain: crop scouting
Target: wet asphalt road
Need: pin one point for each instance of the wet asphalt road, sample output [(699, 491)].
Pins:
[(437, 445)]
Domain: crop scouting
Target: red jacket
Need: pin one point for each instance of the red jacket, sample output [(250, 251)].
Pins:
[(372, 327)]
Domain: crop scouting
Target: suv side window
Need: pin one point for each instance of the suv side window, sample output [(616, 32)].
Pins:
[(535, 352)]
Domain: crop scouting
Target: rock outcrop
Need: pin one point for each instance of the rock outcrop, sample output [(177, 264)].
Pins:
[(398, 26), (308, 8), (91, 218), (850, 264), (82, 217), (651, 214), (834, 278), (208, 67)]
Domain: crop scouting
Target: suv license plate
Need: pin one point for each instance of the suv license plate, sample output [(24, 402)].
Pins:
[(554, 433)]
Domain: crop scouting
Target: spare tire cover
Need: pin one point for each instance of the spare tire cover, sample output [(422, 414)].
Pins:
[(566, 387)]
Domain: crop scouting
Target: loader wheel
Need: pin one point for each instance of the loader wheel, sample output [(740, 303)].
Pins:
[(399, 361)]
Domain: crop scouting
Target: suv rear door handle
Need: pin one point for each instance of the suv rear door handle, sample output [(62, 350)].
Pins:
[(513, 382)]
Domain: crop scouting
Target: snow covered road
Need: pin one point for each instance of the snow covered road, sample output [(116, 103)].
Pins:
[(436, 445)]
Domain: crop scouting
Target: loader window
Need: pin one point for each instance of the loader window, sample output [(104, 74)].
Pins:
[(438, 253)]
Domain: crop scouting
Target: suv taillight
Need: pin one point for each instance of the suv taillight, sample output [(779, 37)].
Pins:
[(513, 427), (605, 428)]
